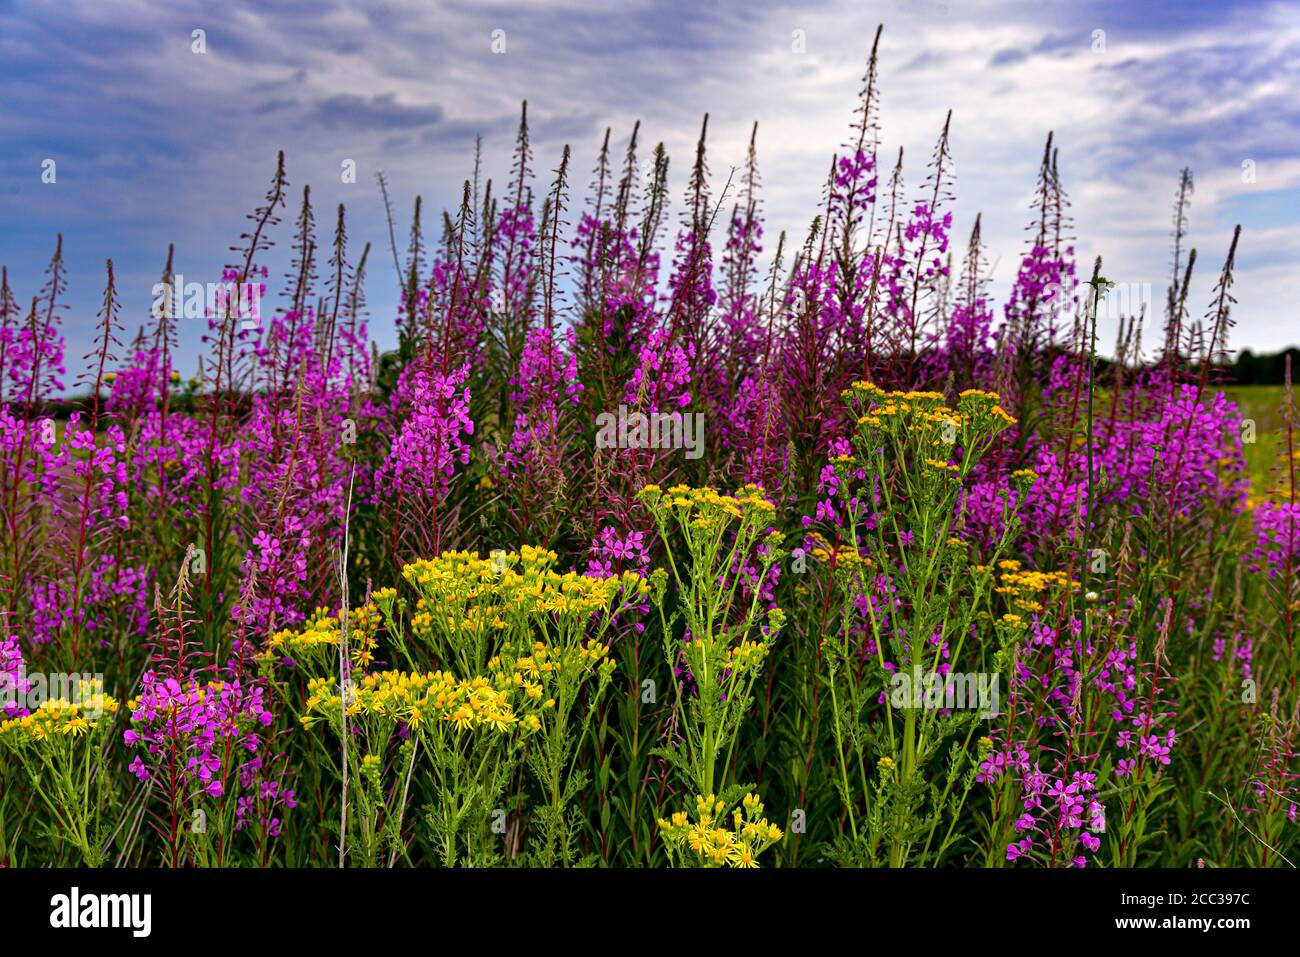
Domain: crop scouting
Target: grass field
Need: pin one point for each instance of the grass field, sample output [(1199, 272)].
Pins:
[(1263, 404)]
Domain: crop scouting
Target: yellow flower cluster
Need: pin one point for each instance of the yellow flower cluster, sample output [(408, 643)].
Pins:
[(322, 632), (945, 422), (59, 718), (706, 836), (943, 466), (895, 408), (979, 401), (705, 505), (548, 663), (415, 699), (473, 620), (746, 655), (844, 554), (1023, 589), (462, 592), (867, 390), (925, 412), (873, 392), (514, 692)]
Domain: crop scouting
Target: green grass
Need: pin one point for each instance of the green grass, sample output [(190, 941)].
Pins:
[(1263, 404)]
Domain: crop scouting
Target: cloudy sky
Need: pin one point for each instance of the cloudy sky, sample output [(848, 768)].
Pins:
[(155, 143)]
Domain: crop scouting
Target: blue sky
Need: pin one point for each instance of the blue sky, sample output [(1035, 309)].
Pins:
[(156, 144)]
